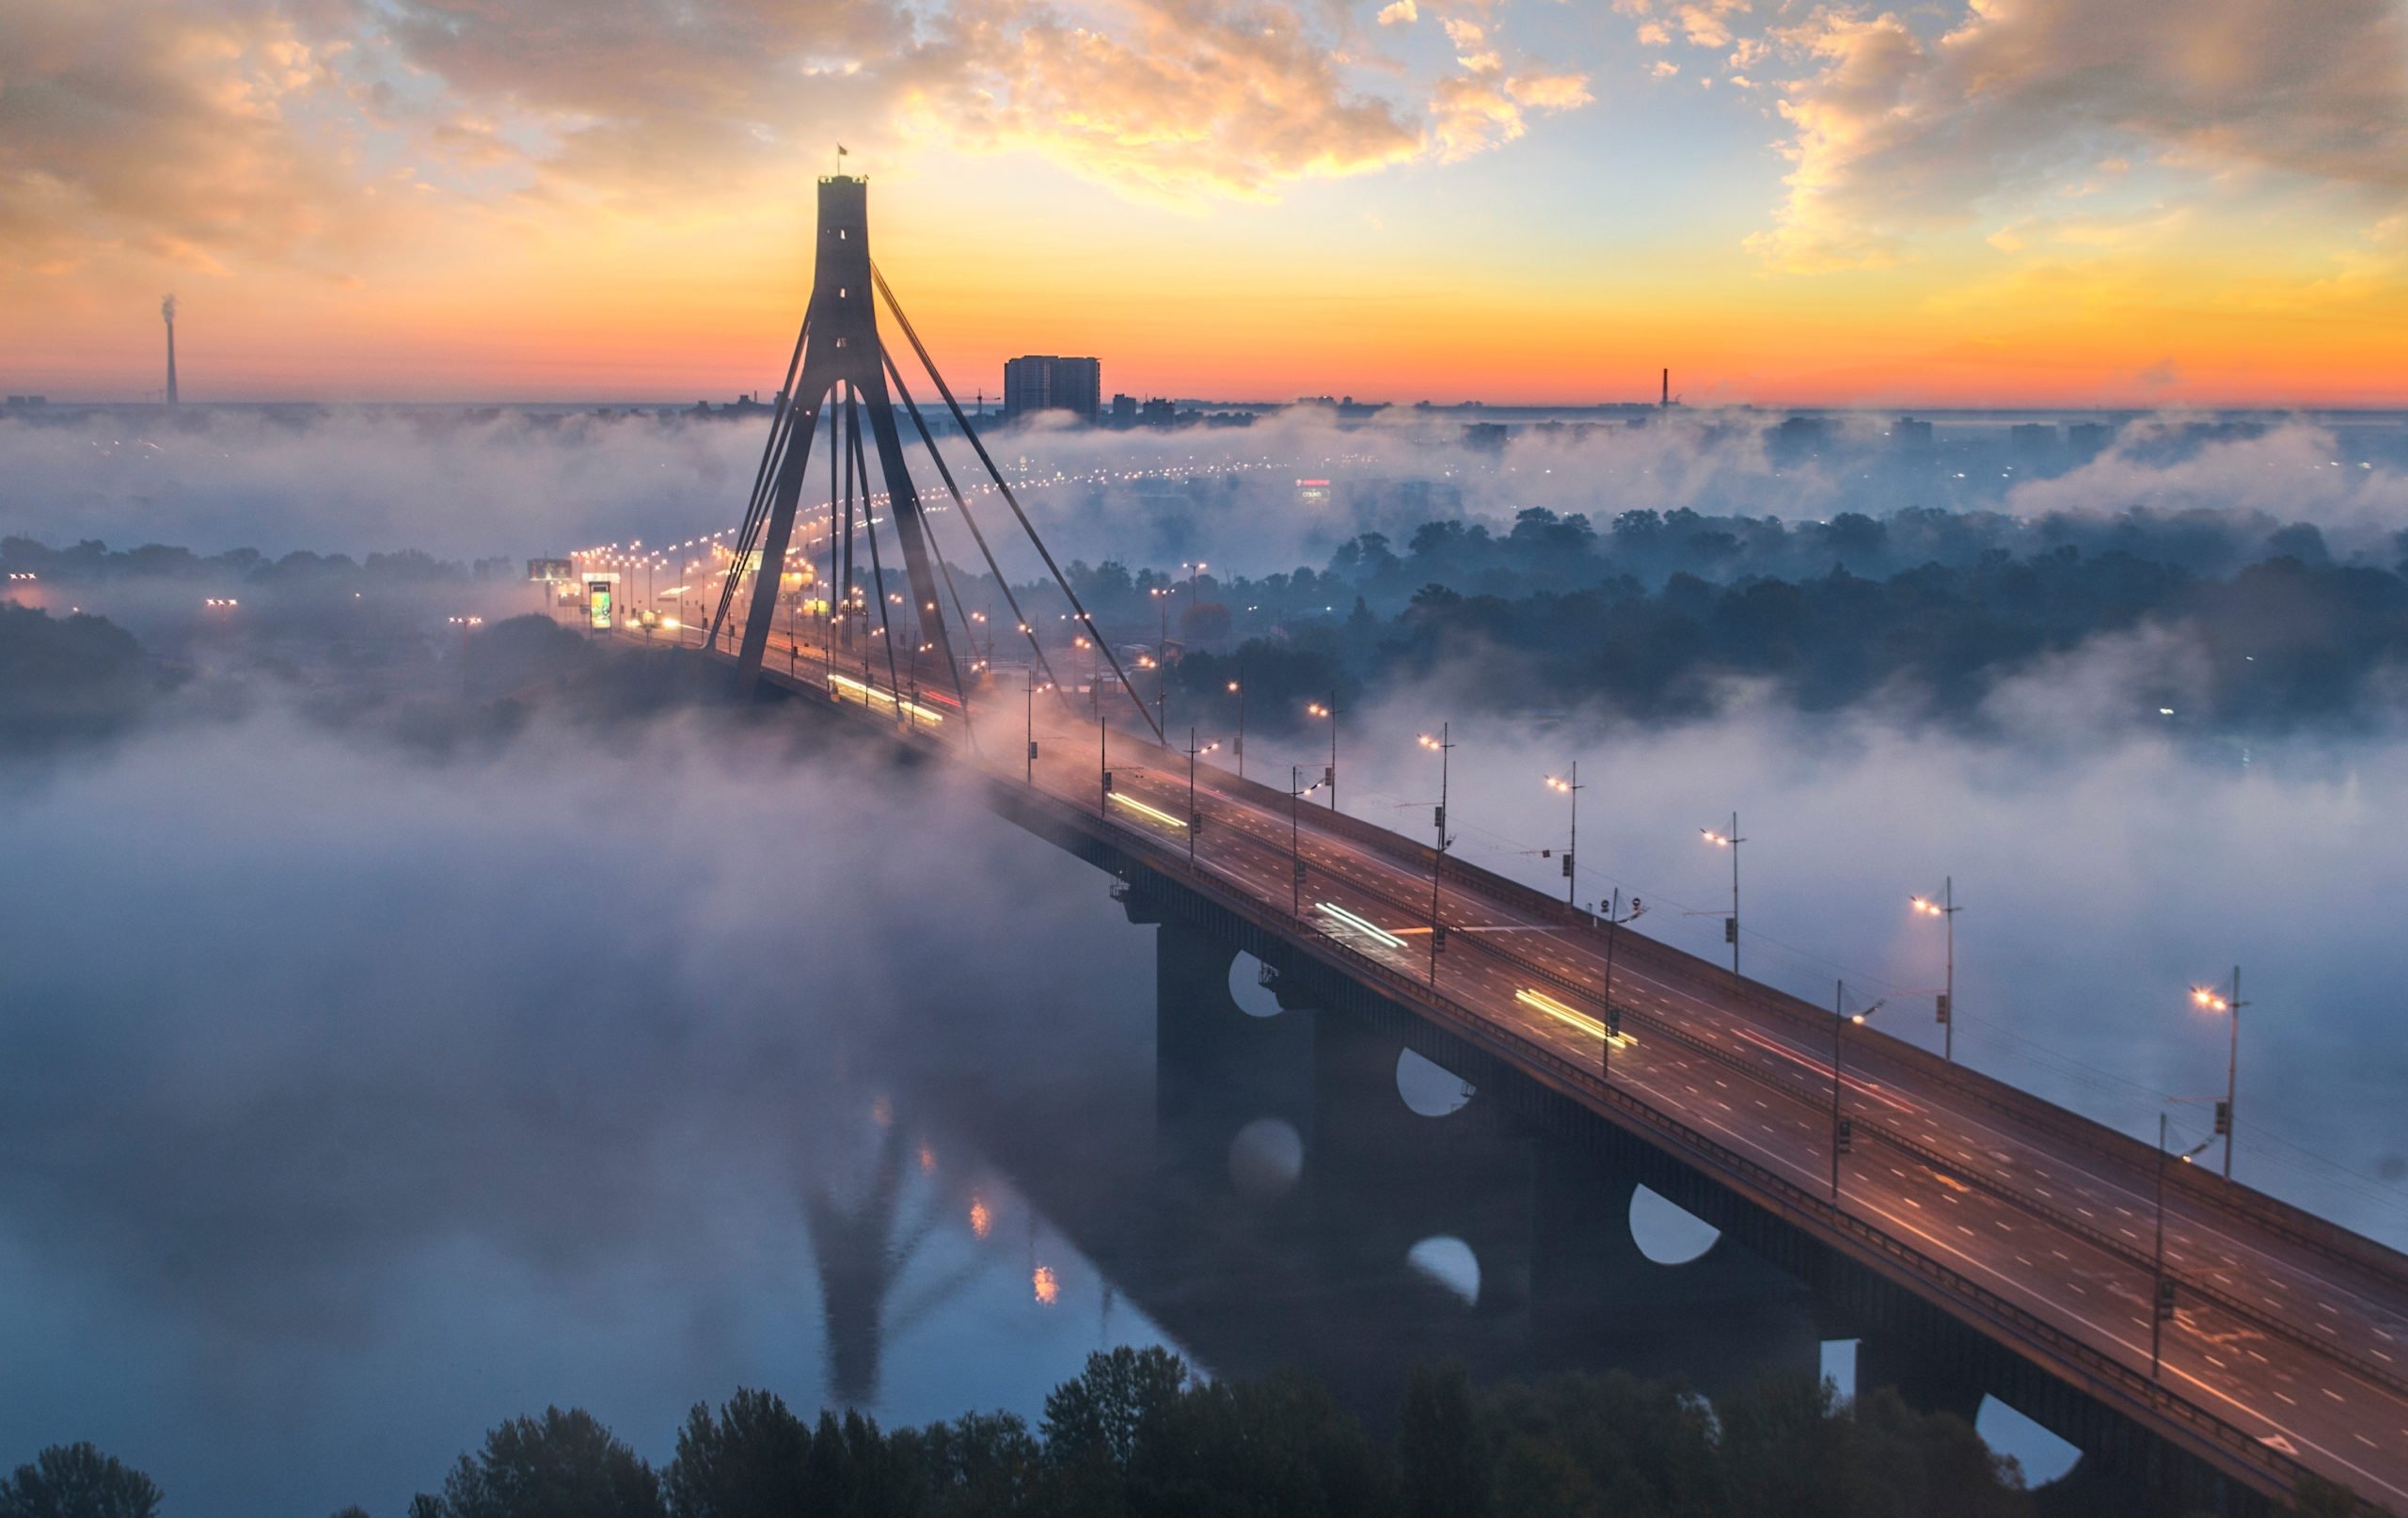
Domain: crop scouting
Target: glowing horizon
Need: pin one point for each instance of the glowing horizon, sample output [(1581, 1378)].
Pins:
[(1508, 202)]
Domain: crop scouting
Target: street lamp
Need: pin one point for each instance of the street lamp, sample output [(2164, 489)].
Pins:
[(2208, 1000), (1194, 818), (1237, 689), (1444, 747), (1730, 925), (2162, 1298), (1843, 1130), (1945, 909), (1615, 918), (1571, 788), (1297, 790), (1030, 775), (1330, 711)]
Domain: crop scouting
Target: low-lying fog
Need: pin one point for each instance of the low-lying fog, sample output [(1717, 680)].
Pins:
[(465, 485), (350, 1104)]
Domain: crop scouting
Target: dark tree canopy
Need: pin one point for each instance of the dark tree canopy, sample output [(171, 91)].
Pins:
[(78, 1481)]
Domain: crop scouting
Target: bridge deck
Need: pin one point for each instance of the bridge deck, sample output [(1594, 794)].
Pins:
[(2289, 1345)]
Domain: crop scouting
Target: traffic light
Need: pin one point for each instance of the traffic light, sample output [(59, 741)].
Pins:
[(2223, 1120), (1032, 751), (1438, 818), (1847, 1134), (2164, 1298), (1613, 1022), (1195, 823), (1941, 1008), (1329, 774), (1438, 938), (1730, 930), (1107, 781), (1567, 866)]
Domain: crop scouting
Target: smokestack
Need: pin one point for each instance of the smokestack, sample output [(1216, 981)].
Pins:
[(1664, 405), (167, 313)]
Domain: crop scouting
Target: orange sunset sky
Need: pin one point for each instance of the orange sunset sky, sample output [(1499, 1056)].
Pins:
[(2053, 202)]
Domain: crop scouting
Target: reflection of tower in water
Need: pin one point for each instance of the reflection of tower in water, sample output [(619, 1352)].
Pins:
[(864, 1244)]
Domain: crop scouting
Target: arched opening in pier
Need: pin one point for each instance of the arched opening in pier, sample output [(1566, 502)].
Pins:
[(1430, 1088), (1667, 1234), (2043, 1456), (1253, 998), (1265, 1159), (1448, 1261)]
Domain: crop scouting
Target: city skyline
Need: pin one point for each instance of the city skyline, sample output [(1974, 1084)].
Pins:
[(2025, 202)]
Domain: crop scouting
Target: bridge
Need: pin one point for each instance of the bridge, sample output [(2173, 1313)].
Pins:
[(2211, 1342)]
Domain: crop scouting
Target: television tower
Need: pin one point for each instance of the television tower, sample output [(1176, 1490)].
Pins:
[(167, 313)]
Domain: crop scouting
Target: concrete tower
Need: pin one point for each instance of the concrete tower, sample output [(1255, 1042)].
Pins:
[(168, 312)]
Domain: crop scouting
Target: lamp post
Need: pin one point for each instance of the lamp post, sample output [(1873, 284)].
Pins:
[(1571, 788), (1330, 711), (2161, 1300), (1031, 720), (1843, 1130), (1444, 747), (1730, 925), (1615, 918), (1295, 849), (1945, 909), (1194, 818), (2202, 996), (1237, 689)]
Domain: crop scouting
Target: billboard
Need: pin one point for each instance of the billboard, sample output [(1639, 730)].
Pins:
[(545, 571), (597, 605)]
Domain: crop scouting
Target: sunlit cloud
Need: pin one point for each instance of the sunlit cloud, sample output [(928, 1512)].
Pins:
[(1896, 130)]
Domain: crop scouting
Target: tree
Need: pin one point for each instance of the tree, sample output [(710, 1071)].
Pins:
[(1098, 1416), (1439, 1449), (78, 1481), (561, 1465), (747, 1461)]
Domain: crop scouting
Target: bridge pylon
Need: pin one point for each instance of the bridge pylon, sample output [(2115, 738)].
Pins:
[(841, 358)]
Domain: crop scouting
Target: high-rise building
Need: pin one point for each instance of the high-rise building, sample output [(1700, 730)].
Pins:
[(167, 314), (1040, 381)]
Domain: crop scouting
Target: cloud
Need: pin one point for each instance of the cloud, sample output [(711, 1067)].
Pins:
[(1894, 131), (1192, 100), (208, 135), (188, 135), (1665, 69)]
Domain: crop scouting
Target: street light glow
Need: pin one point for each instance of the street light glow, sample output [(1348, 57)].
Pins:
[(1716, 839)]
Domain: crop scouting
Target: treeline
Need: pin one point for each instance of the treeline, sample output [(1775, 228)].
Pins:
[(2282, 642), (1137, 1435), (1543, 552), (92, 561), (69, 680)]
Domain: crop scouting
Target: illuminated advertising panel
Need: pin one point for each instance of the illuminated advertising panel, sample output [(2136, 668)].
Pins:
[(597, 605)]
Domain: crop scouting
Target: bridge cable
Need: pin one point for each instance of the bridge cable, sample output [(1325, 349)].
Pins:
[(1127, 686), (756, 515), (920, 422), (944, 569), (781, 425), (869, 524)]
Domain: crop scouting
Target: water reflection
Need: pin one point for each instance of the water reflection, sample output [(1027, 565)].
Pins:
[(312, 1274)]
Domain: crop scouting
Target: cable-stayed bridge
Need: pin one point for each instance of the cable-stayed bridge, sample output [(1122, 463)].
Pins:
[(2212, 1343)]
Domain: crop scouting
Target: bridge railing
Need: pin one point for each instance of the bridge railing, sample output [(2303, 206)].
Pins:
[(2243, 1453)]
